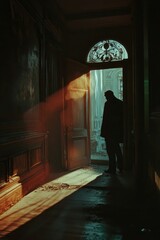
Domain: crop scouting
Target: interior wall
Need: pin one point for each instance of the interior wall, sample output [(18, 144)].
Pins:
[(31, 99), (153, 18)]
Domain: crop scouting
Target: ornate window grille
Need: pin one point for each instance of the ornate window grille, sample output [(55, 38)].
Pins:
[(107, 51)]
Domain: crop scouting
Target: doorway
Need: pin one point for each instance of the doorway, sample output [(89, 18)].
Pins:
[(100, 81)]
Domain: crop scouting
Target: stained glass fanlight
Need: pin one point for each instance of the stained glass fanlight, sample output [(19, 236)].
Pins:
[(107, 51)]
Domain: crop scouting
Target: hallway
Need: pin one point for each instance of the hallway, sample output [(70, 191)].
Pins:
[(83, 204)]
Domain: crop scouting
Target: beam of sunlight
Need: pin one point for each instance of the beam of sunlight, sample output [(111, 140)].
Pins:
[(80, 84), (55, 103)]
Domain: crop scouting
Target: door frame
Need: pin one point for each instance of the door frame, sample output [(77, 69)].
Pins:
[(128, 145)]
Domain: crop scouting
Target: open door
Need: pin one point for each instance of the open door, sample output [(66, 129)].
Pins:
[(77, 129), (76, 118)]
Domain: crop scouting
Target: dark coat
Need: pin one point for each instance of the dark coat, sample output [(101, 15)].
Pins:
[(112, 122)]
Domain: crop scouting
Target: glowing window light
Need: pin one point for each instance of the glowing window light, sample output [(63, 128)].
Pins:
[(107, 51)]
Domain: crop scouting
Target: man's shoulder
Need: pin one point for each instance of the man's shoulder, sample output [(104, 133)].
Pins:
[(119, 100)]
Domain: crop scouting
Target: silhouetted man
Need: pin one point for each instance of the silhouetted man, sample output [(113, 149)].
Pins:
[(112, 131)]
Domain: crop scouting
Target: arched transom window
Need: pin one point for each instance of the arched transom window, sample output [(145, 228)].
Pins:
[(107, 51)]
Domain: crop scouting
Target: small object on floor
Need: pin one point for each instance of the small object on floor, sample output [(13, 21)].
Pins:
[(109, 171)]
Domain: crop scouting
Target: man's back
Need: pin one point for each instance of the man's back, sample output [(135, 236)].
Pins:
[(112, 131), (112, 124)]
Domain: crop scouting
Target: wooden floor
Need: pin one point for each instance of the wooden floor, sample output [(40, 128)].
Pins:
[(84, 204)]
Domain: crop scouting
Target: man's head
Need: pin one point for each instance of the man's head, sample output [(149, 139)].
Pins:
[(109, 95)]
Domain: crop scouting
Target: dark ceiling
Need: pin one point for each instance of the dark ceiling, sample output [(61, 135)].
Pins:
[(84, 14)]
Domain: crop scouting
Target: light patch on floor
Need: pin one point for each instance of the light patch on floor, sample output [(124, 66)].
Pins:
[(46, 196)]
